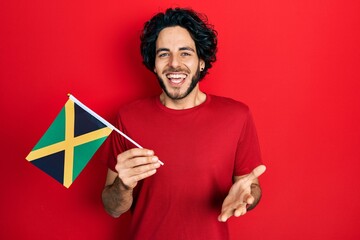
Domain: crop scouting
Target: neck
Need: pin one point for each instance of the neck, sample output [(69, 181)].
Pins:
[(195, 98)]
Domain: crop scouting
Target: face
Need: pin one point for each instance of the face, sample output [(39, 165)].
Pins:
[(177, 65)]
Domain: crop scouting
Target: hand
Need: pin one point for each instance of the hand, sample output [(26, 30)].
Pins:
[(240, 195), (136, 164)]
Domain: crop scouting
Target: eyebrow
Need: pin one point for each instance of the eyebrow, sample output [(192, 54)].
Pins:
[(162, 50), (180, 49)]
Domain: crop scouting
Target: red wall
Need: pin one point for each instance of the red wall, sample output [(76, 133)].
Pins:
[(295, 63)]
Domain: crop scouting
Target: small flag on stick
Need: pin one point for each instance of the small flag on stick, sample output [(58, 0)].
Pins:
[(70, 142)]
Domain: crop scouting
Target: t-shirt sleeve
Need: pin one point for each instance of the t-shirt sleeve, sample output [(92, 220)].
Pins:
[(248, 155)]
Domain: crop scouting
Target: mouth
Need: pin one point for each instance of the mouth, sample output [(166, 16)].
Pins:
[(176, 78)]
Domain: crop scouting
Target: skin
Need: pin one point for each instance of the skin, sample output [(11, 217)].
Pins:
[(176, 54), (132, 166), (244, 195), (177, 67)]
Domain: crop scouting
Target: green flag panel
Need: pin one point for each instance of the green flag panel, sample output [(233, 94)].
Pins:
[(83, 153), (55, 133)]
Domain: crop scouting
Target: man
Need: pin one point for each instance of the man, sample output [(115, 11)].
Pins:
[(208, 143)]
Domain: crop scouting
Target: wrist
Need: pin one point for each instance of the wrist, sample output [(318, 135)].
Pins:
[(121, 186)]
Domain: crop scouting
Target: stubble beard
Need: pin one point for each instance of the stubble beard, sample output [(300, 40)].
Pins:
[(177, 95)]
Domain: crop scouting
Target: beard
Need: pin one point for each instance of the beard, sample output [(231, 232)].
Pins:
[(177, 94)]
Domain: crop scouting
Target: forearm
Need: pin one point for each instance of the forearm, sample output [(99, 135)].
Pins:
[(117, 198), (256, 193)]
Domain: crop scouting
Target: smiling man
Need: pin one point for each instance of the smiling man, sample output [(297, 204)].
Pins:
[(208, 143), (178, 67)]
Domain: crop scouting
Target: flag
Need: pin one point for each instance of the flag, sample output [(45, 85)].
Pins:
[(70, 142)]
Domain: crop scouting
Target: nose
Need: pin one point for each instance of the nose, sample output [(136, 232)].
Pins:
[(174, 61)]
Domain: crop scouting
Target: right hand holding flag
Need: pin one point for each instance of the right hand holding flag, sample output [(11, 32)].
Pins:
[(136, 164)]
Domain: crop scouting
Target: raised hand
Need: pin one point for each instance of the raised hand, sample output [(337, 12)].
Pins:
[(241, 195)]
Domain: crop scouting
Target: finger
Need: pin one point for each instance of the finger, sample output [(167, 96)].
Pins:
[(135, 167), (143, 169), (139, 177), (256, 172), (224, 217), (137, 152), (249, 199), (143, 156), (230, 211), (127, 167), (241, 210), (139, 161), (226, 212), (130, 177)]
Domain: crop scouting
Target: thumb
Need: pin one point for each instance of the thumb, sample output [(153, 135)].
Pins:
[(257, 172)]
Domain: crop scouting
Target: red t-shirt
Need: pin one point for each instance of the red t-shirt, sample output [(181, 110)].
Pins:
[(202, 148)]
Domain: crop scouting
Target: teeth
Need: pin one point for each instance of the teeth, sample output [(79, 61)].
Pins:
[(176, 75)]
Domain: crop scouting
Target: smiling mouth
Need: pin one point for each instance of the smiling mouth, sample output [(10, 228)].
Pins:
[(176, 78)]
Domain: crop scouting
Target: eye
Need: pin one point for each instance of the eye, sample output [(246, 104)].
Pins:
[(164, 54), (185, 54)]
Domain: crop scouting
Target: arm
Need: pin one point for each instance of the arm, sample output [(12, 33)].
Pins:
[(244, 195), (132, 166), (116, 197)]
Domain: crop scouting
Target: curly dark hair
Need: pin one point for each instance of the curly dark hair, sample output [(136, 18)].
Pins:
[(203, 34)]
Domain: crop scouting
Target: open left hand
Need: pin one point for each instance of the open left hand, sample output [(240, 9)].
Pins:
[(240, 195)]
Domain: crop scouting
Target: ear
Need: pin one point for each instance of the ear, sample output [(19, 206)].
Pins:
[(202, 65), (154, 70)]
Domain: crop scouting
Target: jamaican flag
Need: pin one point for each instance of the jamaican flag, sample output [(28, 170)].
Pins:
[(69, 143)]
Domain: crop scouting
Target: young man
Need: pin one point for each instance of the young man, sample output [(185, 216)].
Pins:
[(208, 143)]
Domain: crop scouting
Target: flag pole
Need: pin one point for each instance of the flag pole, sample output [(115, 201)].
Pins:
[(98, 117)]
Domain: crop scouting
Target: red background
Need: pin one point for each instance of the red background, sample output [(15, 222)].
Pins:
[(295, 63)]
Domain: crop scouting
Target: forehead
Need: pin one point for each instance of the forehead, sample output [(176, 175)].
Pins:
[(174, 37)]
